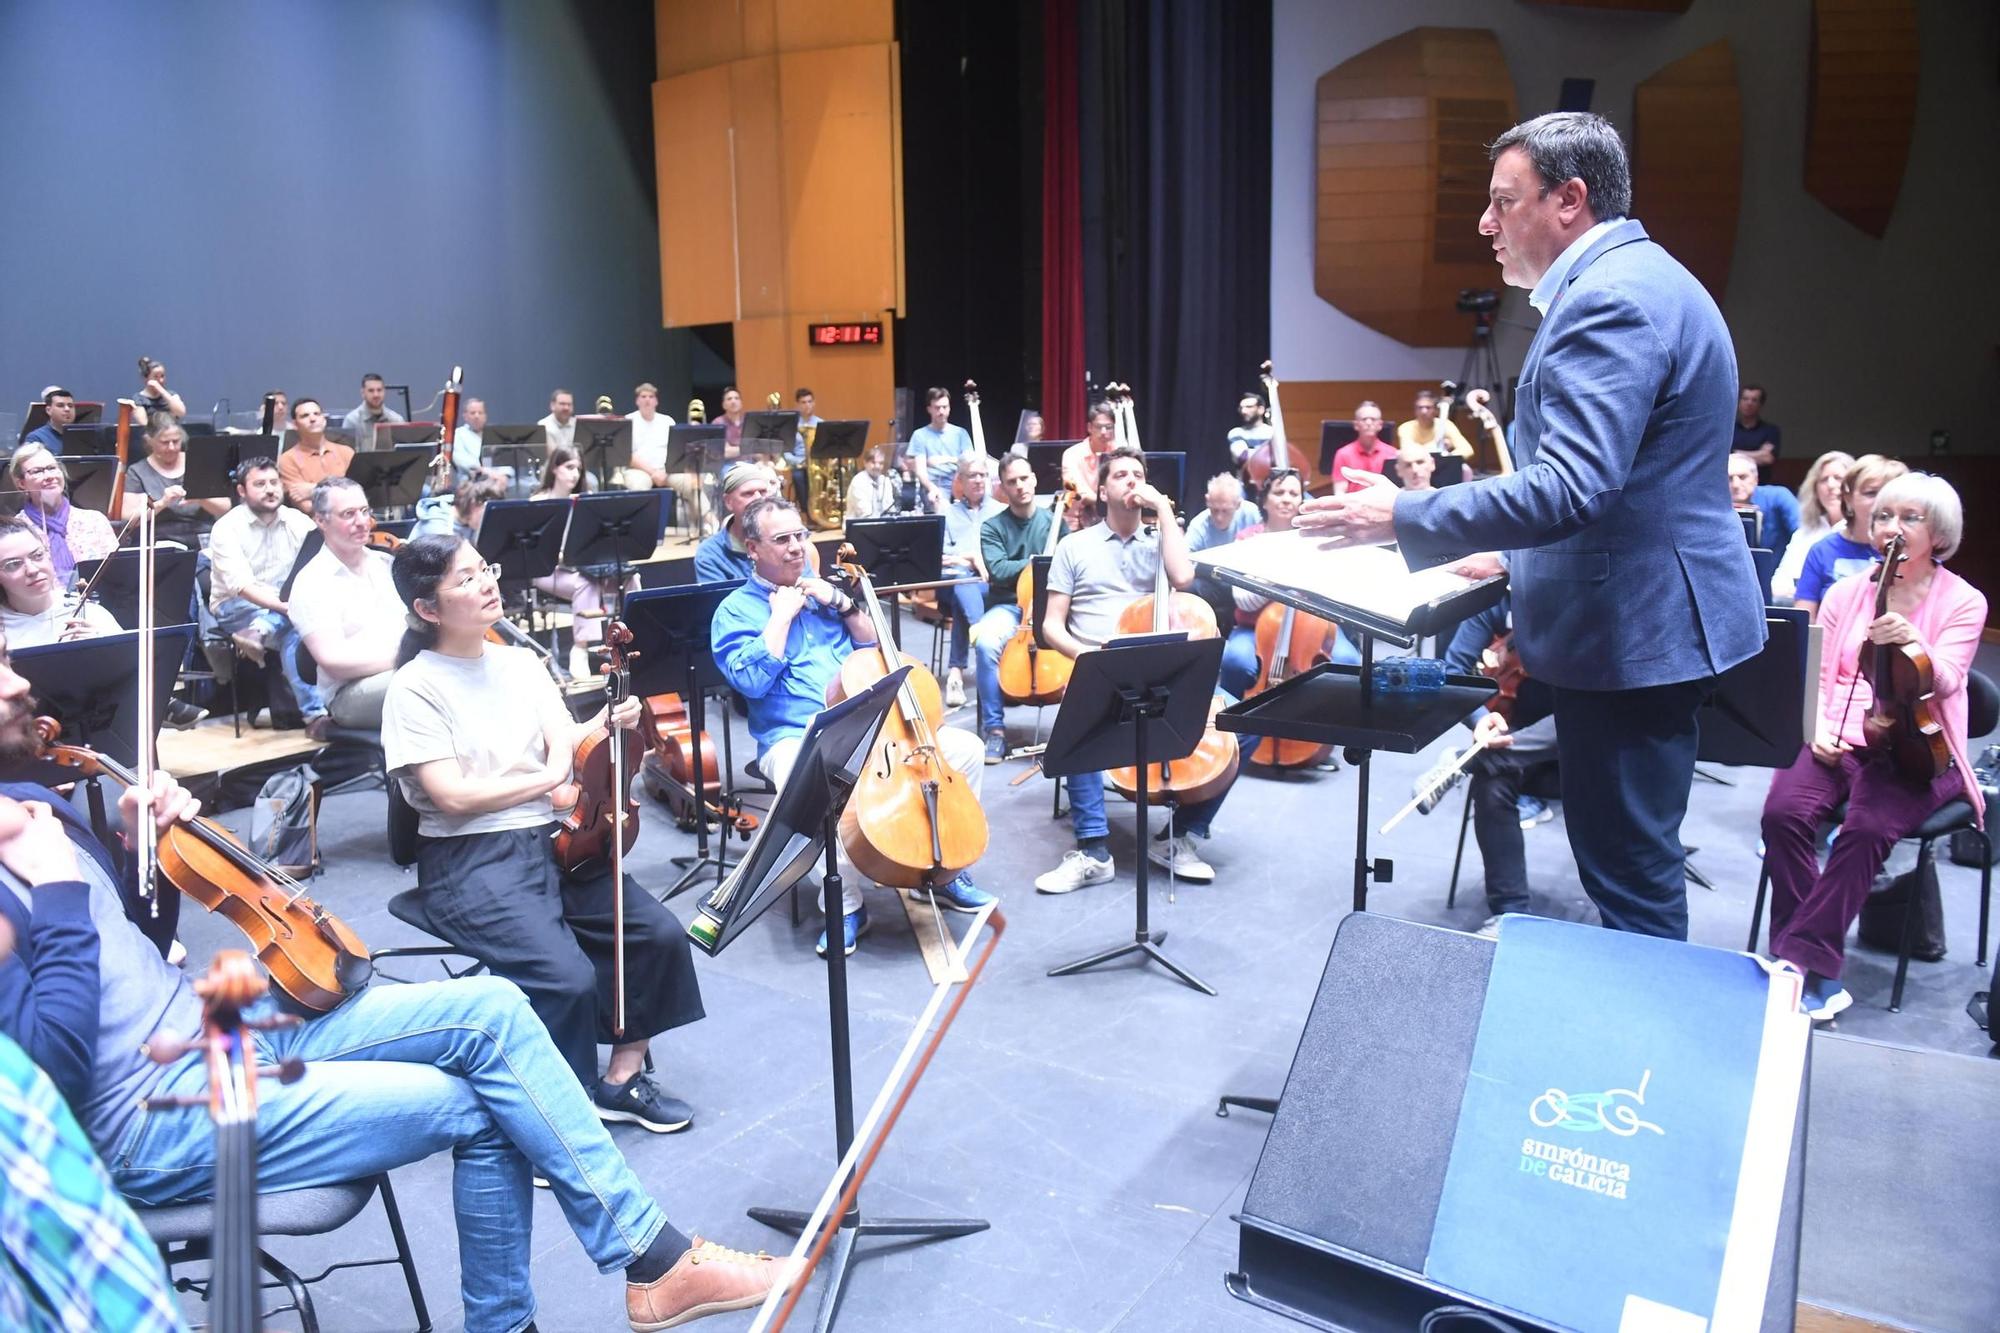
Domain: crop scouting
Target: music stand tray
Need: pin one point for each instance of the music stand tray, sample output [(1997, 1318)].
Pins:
[(90, 477), (1326, 706), (118, 590), (392, 476), (37, 416), (395, 434), (604, 444), (91, 686), (95, 437), (1757, 716), (901, 550), (695, 447), (1141, 701), (777, 429), (619, 529), (212, 461), (834, 441), (523, 537), (1046, 459)]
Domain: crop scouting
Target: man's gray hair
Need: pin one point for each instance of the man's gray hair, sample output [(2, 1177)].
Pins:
[(754, 516), (1576, 145), (323, 494), (1227, 481)]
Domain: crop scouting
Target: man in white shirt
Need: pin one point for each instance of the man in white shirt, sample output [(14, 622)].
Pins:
[(964, 520), (468, 442), (360, 424), (560, 423), (346, 610), (251, 550), (649, 441)]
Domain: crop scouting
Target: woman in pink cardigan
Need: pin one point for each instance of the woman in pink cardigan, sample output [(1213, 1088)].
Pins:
[(1811, 909)]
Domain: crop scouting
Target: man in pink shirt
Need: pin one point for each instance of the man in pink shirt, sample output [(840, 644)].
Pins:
[(1367, 452)]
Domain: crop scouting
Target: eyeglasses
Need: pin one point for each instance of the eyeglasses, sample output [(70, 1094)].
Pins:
[(349, 515), (21, 562), (795, 538), (476, 573), (42, 470), (1279, 474), (1909, 518)]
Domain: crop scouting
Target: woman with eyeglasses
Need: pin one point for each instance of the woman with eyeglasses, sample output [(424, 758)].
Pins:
[(158, 477), (479, 740), (72, 534), (1934, 609), (34, 609)]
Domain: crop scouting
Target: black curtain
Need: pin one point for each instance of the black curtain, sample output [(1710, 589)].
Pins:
[(1175, 117)]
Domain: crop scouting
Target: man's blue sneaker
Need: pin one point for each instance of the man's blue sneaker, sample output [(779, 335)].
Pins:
[(854, 925), (1533, 811), (961, 895), (1824, 998)]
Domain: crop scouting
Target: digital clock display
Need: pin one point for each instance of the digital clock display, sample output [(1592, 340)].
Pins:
[(858, 334)]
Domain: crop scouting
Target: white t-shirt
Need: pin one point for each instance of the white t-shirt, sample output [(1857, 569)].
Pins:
[(46, 626), (491, 713), (649, 440), (328, 596)]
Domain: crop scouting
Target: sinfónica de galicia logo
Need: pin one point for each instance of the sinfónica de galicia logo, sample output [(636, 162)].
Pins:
[(1608, 1112)]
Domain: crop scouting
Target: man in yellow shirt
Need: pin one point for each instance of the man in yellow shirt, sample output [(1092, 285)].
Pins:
[(1435, 434)]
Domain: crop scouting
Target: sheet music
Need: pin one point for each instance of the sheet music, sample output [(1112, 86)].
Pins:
[(1372, 579)]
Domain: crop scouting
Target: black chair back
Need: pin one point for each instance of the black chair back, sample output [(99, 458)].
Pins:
[(1982, 705)]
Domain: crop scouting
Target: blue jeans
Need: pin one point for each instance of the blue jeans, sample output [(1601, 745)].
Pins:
[(404, 1071), (1087, 818), (240, 613), (969, 602), (989, 636)]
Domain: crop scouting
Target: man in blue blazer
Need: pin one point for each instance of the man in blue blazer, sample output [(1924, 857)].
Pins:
[(1632, 585)]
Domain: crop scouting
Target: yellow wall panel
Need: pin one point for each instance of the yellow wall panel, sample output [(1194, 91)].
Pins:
[(696, 34), (839, 172), (760, 202), (804, 25), (692, 159)]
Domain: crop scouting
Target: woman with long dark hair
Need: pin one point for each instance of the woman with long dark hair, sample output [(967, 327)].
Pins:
[(478, 739)]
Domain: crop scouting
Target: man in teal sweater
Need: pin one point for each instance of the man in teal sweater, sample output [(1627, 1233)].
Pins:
[(1007, 542)]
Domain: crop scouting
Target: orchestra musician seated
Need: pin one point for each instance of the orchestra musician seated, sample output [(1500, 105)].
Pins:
[(1284, 492), (872, 492), (478, 738), (1096, 574), (779, 641), (392, 1076), (251, 551), (1437, 435), (458, 513), (1008, 541), (1932, 610), (724, 555), (1819, 510), (1367, 451), (72, 534), (345, 608), (1776, 509), (1849, 548), (1415, 466), (1227, 514), (159, 477), (34, 609), (313, 457), (1082, 461), (1255, 429), (964, 527)]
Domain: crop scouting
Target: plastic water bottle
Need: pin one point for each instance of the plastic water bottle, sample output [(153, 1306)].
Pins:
[(1409, 675)]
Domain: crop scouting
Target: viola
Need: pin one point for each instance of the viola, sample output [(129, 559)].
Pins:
[(231, 986), (1261, 461), (912, 819), (1030, 671), (311, 954), (1210, 769), (1901, 720), (667, 722), (1501, 664)]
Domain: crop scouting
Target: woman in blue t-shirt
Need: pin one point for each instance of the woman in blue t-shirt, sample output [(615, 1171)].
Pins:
[(1847, 549)]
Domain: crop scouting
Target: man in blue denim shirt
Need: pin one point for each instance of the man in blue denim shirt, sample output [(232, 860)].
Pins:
[(393, 1075), (779, 640)]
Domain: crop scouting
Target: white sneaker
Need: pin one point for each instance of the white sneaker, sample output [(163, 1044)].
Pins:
[(1181, 860), (1489, 929), (1076, 871), (954, 689)]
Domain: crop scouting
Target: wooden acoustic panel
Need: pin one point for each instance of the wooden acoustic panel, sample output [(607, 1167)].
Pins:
[(1630, 6), (695, 34), (1402, 175), (1687, 161), (1861, 107)]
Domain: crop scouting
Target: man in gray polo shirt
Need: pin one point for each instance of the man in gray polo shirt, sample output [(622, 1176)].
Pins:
[(360, 424), (1097, 573)]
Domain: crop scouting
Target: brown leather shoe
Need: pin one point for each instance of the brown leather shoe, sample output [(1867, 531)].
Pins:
[(708, 1280)]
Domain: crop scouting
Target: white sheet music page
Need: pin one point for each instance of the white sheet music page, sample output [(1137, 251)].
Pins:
[(1373, 579)]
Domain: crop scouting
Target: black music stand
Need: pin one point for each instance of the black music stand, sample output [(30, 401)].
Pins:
[(835, 443), (778, 430), (696, 449), (91, 687), (1166, 472), (118, 590), (902, 552), (1046, 459), (616, 530), (672, 652), (604, 444), (95, 437), (90, 479), (522, 450), (396, 434), (523, 537), (803, 826), (37, 416), (1333, 437), (1143, 700), (392, 477), (212, 462)]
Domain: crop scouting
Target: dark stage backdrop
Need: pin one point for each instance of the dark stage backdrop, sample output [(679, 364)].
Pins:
[(291, 194), (1175, 113)]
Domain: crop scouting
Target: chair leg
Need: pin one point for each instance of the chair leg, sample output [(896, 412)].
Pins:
[(1909, 927), (1757, 910), (403, 1255), (1464, 822), (1985, 890), (301, 1298)]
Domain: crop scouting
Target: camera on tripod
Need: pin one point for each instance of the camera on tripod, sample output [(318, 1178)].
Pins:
[(1477, 300)]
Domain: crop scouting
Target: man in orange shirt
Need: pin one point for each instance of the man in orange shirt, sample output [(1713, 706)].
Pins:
[(313, 458), (1366, 452), (1079, 461)]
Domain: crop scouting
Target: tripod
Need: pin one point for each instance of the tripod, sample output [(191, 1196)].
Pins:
[(1481, 367)]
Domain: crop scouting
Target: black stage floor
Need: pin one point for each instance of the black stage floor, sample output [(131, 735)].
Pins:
[(1077, 1114)]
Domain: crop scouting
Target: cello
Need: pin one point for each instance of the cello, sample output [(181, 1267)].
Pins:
[(1212, 767), (1030, 671), (1259, 464), (1289, 643), (912, 819), (1901, 721), (671, 731)]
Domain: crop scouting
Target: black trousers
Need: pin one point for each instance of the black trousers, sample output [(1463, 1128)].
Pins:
[(1499, 779), (501, 899), (1627, 764)]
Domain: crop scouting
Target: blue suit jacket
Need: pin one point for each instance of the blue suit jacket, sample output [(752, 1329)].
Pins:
[(1628, 565)]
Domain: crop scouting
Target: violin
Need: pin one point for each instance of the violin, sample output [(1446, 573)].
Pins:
[(1501, 664), (1901, 720), (1259, 464), (1210, 769), (912, 819), (312, 955), (604, 822), (667, 722), (1030, 671), (231, 986)]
